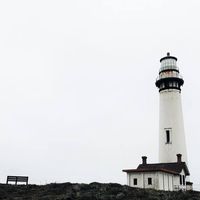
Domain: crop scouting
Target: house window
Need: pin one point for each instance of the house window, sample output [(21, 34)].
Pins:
[(183, 180), (149, 181), (180, 179), (168, 136), (135, 181)]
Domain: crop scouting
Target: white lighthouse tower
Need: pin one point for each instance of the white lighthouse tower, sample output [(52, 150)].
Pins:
[(171, 126), (171, 173)]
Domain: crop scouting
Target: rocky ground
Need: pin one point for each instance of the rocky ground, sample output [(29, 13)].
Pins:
[(93, 191)]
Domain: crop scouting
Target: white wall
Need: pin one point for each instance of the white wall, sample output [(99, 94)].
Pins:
[(139, 177), (171, 117), (160, 181), (142, 180), (166, 181), (177, 182)]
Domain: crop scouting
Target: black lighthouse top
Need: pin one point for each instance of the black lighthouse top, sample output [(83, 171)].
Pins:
[(167, 57), (169, 76)]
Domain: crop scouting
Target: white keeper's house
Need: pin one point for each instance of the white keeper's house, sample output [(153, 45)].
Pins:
[(171, 173)]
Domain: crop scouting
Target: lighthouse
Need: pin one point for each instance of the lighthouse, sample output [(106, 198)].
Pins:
[(171, 126), (171, 173)]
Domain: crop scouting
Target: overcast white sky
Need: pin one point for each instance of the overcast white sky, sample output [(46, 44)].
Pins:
[(78, 100)]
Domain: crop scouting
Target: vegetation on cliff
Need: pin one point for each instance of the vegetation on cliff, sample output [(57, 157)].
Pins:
[(93, 191)]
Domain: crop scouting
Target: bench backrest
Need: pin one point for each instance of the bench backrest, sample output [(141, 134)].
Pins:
[(17, 179)]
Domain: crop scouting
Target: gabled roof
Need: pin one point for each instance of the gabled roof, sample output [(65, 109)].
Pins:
[(150, 170), (172, 168)]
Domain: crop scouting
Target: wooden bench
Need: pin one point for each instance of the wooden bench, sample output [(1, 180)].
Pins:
[(17, 179)]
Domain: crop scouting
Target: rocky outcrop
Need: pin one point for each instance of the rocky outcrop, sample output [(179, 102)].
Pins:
[(93, 191)]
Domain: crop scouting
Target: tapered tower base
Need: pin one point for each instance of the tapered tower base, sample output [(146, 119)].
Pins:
[(171, 127)]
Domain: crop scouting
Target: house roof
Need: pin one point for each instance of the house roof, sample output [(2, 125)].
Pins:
[(150, 170), (172, 168)]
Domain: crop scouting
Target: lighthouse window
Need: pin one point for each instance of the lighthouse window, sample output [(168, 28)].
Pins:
[(162, 85), (168, 139)]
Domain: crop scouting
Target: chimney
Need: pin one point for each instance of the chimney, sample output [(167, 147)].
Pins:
[(144, 160), (179, 158)]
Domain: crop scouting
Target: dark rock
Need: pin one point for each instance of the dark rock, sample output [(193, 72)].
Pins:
[(120, 196)]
